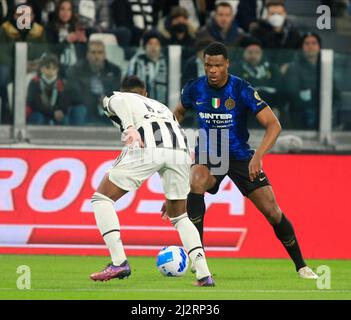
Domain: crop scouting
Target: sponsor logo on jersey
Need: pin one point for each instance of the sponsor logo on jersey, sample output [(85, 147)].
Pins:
[(217, 116), (216, 102), (229, 103)]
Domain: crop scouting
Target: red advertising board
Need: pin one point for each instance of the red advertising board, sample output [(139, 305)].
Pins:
[(45, 207)]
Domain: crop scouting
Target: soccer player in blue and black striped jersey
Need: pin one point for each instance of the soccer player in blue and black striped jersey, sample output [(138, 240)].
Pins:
[(222, 102)]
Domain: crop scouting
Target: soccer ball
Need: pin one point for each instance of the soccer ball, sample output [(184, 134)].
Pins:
[(172, 261)]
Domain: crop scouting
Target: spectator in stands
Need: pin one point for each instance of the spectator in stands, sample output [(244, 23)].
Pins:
[(95, 77), (151, 66), (50, 100), (66, 36), (176, 28), (223, 26), (45, 10), (263, 75), (277, 32), (10, 33), (130, 19), (302, 84), (199, 10), (193, 67), (247, 13), (93, 15)]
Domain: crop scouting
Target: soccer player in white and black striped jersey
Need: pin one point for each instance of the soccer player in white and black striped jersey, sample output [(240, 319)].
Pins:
[(154, 143)]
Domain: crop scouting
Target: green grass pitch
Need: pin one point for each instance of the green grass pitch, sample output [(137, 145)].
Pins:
[(67, 277)]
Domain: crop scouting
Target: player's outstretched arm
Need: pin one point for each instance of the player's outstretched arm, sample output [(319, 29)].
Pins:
[(269, 121), (179, 112)]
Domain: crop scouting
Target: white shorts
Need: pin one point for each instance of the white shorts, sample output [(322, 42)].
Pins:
[(134, 166)]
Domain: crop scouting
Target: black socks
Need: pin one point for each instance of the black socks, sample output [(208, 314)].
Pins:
[(196, 211), (286, 234)]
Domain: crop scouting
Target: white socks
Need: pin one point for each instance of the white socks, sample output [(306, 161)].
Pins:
[(192, 243), (108, 224)]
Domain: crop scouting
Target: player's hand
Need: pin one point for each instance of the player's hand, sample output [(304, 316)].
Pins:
[(164, 212), (255, 167), (131, 137)]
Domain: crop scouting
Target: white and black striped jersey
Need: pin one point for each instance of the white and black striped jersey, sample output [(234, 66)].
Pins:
[(156, 123), (142, 12)]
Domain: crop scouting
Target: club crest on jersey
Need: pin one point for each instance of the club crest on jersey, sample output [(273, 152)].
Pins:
[(216, 102), (229, 103), (257, 96)]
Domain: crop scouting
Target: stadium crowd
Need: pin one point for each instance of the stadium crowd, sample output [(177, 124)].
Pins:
[(71, 42)]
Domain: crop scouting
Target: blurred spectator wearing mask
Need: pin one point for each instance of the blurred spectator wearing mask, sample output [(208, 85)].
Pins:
[(50, 100), (95, 77), (151, 66), (302, 84), (66, 36), (223, 26), (176, 28), (10, 33), (277, 32), (263, 75)]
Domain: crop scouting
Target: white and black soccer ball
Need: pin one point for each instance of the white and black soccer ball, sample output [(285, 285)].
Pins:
[(172, 261)]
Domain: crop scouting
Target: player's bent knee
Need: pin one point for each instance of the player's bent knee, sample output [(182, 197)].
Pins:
[(198, 183), (272, 213)]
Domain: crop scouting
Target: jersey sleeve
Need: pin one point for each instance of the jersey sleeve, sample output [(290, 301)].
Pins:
[(251, 98), (186, 95), (120, 110)]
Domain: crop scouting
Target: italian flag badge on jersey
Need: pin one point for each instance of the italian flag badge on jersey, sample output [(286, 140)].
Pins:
[(216, 102)]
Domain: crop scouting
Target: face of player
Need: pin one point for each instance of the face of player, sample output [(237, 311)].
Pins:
[(253, 55), (311, 47), (216, 69), (65, 12), (96, 55), (224, 17), (153, 49)]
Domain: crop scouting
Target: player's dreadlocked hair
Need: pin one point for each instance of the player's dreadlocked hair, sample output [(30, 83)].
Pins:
[(216, 49), (130, 83)]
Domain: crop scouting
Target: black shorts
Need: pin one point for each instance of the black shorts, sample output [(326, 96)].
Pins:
[(238, 172)]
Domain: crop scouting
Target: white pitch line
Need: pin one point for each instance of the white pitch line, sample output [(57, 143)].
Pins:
[(200, 290)]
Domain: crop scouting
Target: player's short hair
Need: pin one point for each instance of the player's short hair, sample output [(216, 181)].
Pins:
[(216, 49), (132, 82)]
